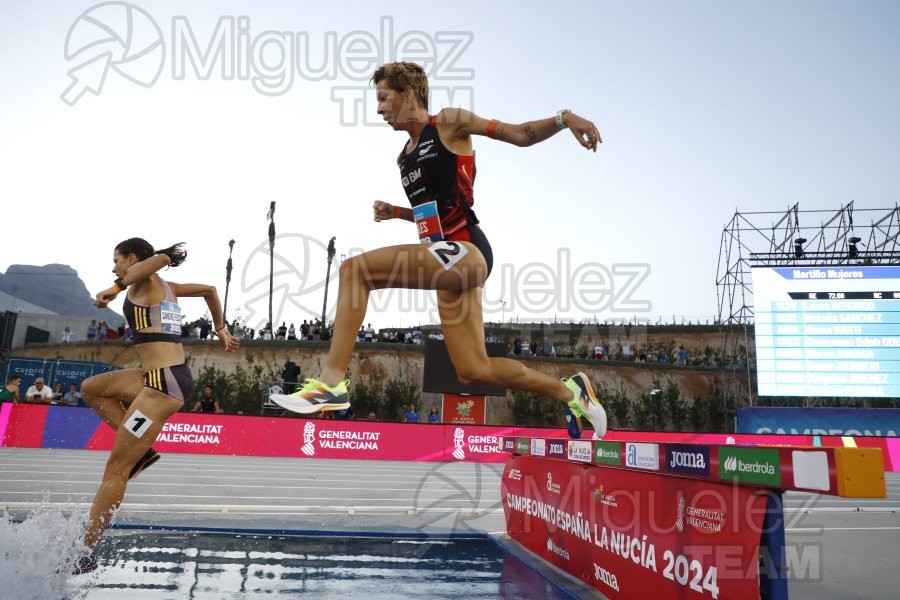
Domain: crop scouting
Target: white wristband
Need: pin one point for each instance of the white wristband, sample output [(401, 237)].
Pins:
[(560, 124)]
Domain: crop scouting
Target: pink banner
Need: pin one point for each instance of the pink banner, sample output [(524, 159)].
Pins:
[(43, 426)]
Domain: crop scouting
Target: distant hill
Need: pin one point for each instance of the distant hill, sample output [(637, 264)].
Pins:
[(56, 288)]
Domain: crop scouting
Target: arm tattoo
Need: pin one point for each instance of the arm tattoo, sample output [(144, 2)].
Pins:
[(529, 132)]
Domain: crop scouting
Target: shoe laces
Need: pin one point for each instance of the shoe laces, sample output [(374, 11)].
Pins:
[(311, 385)]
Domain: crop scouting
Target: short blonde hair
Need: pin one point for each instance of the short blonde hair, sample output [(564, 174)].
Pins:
[(398, 75)]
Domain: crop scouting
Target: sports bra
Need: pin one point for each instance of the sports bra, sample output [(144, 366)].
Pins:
[(166, 315)]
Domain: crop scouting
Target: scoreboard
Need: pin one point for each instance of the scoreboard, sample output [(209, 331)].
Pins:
[(827, 331)]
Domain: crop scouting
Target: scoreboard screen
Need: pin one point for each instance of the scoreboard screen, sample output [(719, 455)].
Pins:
[(827, 331)]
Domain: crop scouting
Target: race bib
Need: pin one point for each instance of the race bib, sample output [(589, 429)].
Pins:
[(428, 223), (170, 317)]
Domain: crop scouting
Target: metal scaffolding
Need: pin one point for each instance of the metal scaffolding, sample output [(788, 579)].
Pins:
[(779, 239)]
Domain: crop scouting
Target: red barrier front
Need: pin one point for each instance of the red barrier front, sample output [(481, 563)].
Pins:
[(636, 535)]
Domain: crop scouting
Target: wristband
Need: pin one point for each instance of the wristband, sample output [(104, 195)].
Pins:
[(491, 128), (397, 213), (221, 328), (119, 285), (560, 124)]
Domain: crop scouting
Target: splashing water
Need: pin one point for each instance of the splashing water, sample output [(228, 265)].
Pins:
[(37, 553)]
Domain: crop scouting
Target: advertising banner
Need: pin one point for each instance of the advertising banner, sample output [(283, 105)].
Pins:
[(461, 409), (636, 534), (43, 426), (856, 422)]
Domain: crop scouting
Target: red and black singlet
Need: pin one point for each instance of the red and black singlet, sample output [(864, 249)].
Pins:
[(432, 173)]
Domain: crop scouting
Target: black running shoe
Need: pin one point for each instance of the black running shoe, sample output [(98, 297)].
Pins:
[(149, 457)]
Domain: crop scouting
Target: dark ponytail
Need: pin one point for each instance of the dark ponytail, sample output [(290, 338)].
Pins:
[(176, 254), (143, 250)]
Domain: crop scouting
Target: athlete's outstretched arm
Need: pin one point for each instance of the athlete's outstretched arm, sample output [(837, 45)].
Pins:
[(463, 123), (208, 293)]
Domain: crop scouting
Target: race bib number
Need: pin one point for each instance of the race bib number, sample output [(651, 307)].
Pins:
[(138, 424), (448, 253), (428, 223), (170, 317)]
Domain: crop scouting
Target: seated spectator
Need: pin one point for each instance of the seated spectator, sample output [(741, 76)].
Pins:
[(92, 330), (207, 402), (58, 394), (39, 393), (433, 415), (411, 416), (73, 396), (67, 335), (371, 417), (10, 391)]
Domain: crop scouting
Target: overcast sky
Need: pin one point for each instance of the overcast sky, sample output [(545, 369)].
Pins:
[(200, 122)]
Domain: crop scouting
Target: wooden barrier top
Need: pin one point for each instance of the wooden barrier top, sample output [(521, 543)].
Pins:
[(845, 472)]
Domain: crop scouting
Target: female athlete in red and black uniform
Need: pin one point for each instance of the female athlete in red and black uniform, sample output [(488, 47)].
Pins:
[(437, 170)]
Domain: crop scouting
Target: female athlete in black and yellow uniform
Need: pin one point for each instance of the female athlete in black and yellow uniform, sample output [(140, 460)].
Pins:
[(137, 402)]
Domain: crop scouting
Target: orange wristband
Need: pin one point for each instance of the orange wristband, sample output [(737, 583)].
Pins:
[(491, 127), (116, 287), (397, 212)]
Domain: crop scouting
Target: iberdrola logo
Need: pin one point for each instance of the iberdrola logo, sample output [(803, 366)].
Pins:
[(459, 442), (309, 436), (464, 408)]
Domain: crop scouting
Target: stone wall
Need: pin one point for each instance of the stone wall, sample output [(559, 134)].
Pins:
[(403, 360)]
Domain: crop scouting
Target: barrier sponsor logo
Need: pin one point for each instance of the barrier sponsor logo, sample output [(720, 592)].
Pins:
[(522, 446), (642, 456), (557, 550), (606, 577), (515, 475), (552, 487), (605, 499), (608, 453), (556, 449), (679, 521), (686, 459), (538, 447), (509, 444), (580, 451), (704, 519), (750, 465), (309, 436)]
